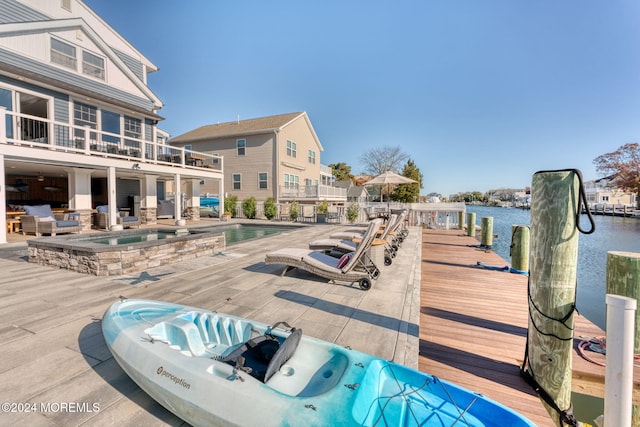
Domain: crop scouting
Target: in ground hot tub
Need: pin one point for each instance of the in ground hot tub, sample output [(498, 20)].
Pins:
[(123, 252)]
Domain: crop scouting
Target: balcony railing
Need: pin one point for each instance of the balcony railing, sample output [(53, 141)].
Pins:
[(312, 192), (36, 132)]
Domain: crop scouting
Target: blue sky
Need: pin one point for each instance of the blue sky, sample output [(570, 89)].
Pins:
[(480, 94)]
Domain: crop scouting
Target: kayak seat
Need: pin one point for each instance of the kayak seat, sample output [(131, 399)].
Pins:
[(203, 334), (221, 335), (180, 334)]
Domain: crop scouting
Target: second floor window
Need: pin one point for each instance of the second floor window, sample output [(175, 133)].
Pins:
[(291, 149), (291, 181), (236, 178), (263, 182), (312, 157), (241, 146)]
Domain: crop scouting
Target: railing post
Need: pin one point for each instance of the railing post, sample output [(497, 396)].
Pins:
[(618, 393)]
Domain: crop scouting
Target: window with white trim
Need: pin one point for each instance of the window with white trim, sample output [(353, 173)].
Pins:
[(63, 54), (241, 146), (132, 129), (92, 65), (291, 148), (236, 179), (291, 181), (308, 182), (312, 157), (263, 182)]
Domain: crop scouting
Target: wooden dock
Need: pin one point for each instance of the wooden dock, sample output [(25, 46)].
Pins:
[(473, 326)]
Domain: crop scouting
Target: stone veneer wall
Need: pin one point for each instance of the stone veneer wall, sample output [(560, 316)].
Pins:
[(148, 215), (193, 213), (122, 261)]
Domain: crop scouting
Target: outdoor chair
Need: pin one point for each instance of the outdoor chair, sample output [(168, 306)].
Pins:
[(101, 219), (41, 220), (353, 267), (308, 213), (285, 212), (341, 243)]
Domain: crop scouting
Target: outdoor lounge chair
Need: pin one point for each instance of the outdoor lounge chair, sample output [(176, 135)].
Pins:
[(41, 220), (101, 219), (341, 245), (357, 268), (393, 231)]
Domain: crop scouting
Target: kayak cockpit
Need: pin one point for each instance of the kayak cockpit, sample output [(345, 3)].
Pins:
[(310, 368)]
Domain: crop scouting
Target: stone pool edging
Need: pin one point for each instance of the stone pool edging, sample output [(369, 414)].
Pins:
[(78, 254)]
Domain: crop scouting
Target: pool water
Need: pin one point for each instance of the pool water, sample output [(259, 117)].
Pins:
[(240, 232)]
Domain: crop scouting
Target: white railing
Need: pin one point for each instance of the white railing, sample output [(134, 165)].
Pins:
[(313, 192), (36, 132)]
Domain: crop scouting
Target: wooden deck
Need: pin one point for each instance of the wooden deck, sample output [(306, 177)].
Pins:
[(473, 325)]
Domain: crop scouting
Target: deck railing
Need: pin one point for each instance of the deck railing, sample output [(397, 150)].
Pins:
[(36, 132), (312, 192)]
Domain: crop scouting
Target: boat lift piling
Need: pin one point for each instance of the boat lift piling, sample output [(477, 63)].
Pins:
[(623, 278), (461, 220)]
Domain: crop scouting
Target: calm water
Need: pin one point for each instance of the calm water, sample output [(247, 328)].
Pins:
[(612, 234)]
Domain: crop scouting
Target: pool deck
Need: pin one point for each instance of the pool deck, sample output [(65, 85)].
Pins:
[(55, 359)]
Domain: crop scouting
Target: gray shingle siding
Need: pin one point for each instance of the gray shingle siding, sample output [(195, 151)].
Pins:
[(12, 11), (134, 65), (66, 78)]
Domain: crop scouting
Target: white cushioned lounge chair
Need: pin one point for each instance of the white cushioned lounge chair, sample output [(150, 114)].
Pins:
[(358, 268)]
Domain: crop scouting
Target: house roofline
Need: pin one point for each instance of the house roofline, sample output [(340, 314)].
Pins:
[(79, 23)]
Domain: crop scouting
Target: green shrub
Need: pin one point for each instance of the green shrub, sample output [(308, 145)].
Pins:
[(294, 210), (230, 203), (250, 207), (323, 207), (270, 208), (353, 211)]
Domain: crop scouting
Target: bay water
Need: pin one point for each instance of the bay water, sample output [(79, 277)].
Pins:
[(612, 234)]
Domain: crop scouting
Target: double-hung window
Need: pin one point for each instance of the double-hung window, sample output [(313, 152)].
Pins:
[(263, 183), (241, 146), (312, 157), (236, 179), (132, 129), (291, 149), (63, 54), (291, 182), (92, 65)]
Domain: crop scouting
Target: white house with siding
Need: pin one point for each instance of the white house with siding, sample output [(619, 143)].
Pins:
[(77, 117)]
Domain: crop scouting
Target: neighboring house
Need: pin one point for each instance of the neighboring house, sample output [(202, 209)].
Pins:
[(603, 191), (276, 156), (79, 123), (355, 193)]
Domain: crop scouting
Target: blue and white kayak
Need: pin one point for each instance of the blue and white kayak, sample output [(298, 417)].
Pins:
[(215, 369)]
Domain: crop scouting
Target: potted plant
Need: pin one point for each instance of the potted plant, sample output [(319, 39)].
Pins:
[(321, 212), (353, 211)]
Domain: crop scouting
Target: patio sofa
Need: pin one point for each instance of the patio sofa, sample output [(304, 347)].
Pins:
[(41, 220)]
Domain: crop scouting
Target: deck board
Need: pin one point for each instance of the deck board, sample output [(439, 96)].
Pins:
[(473, 325)]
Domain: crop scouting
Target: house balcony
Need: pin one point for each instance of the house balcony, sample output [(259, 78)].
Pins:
[(35, 132), (312, 193)]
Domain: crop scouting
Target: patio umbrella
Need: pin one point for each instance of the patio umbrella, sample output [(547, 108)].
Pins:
[(389, 178)]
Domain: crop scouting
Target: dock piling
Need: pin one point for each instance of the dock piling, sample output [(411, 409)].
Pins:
[(487, 232), (520, 248), (555, 203), (471, 224), (623, 278)]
